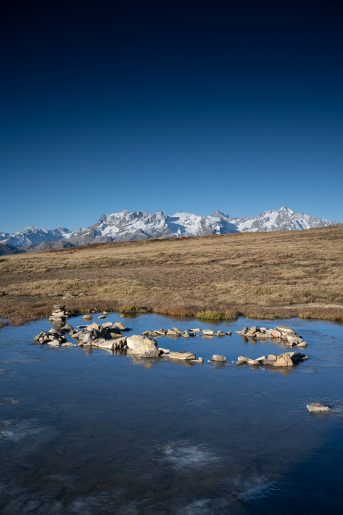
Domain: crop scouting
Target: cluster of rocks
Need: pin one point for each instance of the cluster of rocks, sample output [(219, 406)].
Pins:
[(188, 333), (107, 336), (287, 359), (285, 335), (53, 337)]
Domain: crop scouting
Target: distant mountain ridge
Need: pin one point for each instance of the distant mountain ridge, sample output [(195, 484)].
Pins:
[(32, 236), (139, 225)]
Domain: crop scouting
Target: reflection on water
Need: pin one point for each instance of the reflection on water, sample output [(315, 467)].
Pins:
[(182, 455), (97, 432)]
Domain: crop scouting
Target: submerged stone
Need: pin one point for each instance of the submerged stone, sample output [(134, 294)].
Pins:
[(318, 407)]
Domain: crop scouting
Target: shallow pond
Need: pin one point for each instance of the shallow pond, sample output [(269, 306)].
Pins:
[(98, 432)]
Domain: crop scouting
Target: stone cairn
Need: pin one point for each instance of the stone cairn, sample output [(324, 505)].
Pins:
[(56, 335), (58, 315)]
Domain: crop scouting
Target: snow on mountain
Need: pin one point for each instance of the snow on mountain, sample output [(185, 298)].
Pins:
[(283, 219), (138, 225), (126, 224), (187, 224), (32, 236)]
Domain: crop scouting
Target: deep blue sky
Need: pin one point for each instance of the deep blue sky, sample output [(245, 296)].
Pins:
[(169, 105)]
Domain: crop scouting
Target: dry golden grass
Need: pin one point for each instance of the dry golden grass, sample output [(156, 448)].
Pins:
[(261, 275)]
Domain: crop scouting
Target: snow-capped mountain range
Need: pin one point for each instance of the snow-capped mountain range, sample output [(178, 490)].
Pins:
[(138, 225)]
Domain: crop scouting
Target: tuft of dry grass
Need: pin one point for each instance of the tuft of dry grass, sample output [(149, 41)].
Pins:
[(258, 275), (209, 315)]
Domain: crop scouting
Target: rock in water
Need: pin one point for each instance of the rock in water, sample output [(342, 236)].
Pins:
[(120, 326), (142, 346), (318, 407), (208, 332), (51, 336), (218, 358), (54, 343), (182, 355), (284, 335), (287, 359)]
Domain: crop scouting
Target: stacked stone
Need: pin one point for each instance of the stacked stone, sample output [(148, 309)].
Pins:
[(58, 315)]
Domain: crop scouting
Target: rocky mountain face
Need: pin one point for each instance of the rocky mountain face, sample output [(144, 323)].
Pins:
[(283, 219), (32, 236), (138, 225)]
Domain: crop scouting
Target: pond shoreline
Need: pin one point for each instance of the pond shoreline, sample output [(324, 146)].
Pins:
[(324, 313)]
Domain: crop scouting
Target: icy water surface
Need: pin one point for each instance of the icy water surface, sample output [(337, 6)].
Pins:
[(96, 433)]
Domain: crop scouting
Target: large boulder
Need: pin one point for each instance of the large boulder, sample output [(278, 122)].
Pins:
[(142, 346)]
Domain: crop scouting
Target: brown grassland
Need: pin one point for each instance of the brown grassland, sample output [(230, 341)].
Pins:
[(259, 275)]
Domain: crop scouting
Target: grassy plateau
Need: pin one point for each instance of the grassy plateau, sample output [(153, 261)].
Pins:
[(259, 275)]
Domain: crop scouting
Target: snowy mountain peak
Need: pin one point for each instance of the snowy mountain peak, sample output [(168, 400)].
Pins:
[(219, 214), (282, 219), (285, 209)]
